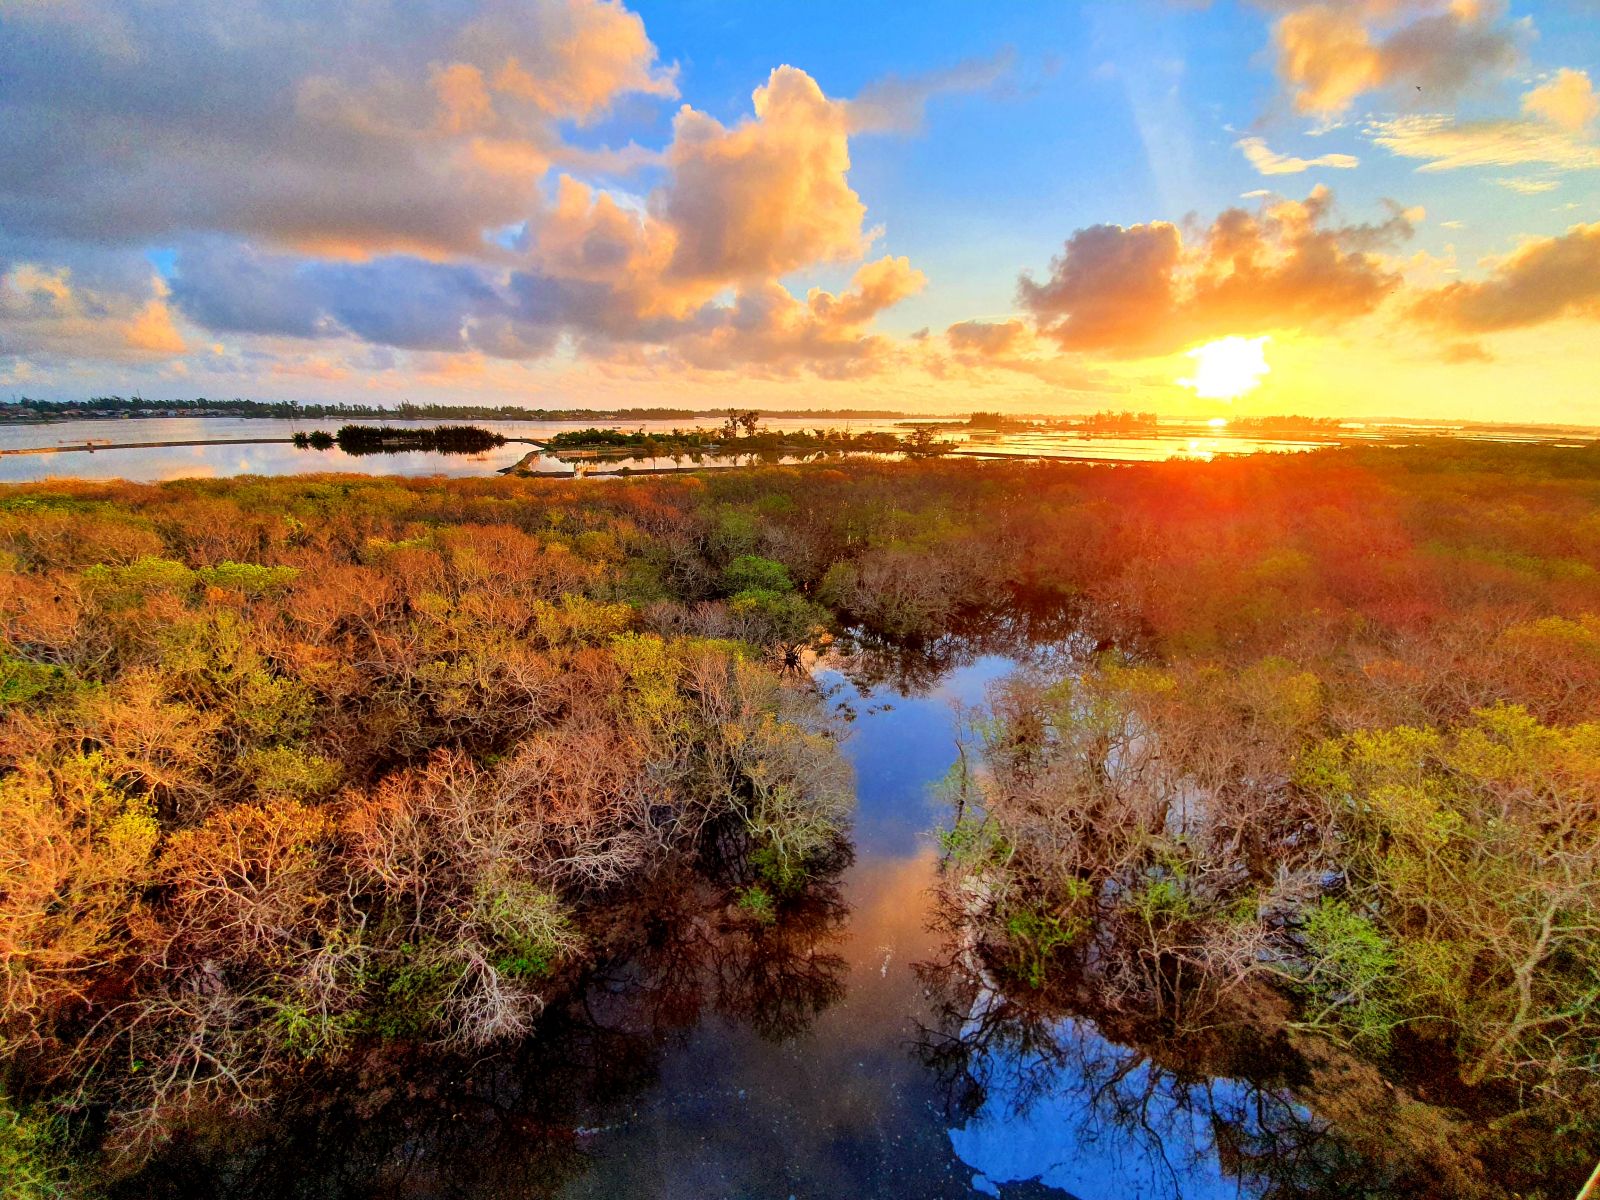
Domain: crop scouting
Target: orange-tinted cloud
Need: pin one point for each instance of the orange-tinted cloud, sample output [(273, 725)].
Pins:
[(1448, 145), (1144, 290), (769, 195), (1331, 53), (151, 330), (1268, 162), (1567, 99), (310, 130), (569, 58), (1552, 133), (769, 329), (979, 349), (1543, 280), (464, 102), (45, 314), (990, 339)]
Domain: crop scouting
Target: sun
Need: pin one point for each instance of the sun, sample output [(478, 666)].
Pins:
[(1227, 368)]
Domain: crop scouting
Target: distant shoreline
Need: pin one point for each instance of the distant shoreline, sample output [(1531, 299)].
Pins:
[(22, 414)]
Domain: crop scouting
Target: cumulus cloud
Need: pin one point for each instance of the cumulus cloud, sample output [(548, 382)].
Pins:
[(768, 329), (46, 314), (1144, 289), (768, 195), (316, 129), (1543, 280), (1566, 100), (568, 58), (976, 349), (1329, 54), (1269, 162), (322, 181), (739, 207)]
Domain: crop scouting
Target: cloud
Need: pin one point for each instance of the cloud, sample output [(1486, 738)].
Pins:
[(314, 129), (768, 195), (768, 329), (614, 277), (1112, 288), (1144, 290), (979, 349), (1566, 100), (1552, 134), (990, 339), (1529, 187), (1331, 53), (1465, 354), (568, 58), (46, 314), (896, 104), (680, 276), (1543, 280), (1446, 145), (1269, 162)]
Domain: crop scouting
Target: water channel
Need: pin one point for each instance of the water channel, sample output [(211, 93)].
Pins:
[(846, 1053)]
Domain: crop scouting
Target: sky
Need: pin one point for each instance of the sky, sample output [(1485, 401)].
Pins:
[(1360, 208)]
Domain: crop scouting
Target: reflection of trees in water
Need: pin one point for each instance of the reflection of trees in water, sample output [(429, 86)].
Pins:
[(1039, 636), (1141, 1109), (404, 1122)]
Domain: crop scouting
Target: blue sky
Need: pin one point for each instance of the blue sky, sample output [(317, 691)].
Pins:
[(1394, 201)]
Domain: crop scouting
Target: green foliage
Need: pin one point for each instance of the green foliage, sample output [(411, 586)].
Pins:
[(1162, 900), (529, 926), (970, 842), (751, 573), (1036, 935), (1477, 850), (1351, 977), (282, 771), (409, 992), (127, 584), (838, 585), (270, 707), (249, 579), (785, 872), (652, 672), (25, 682), (299, 1030), (781, 619), (579, 620), (756, 903), (735, 533), (33, 1161)]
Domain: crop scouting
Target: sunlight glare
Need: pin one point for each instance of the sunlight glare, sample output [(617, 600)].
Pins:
[(1227, 368)]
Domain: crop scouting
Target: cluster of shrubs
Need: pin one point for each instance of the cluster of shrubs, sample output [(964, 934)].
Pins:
[(295, 764), (392, 439), (293, 768)]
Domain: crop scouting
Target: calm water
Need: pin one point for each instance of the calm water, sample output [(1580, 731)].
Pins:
[(850, 1054), (155, 463)]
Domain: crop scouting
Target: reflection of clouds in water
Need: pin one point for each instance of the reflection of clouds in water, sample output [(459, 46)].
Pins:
[(966, 686), (189, 471), (158, 464)]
